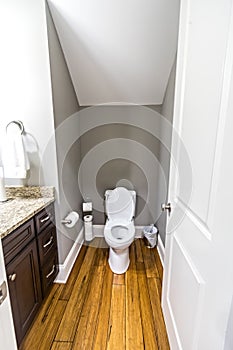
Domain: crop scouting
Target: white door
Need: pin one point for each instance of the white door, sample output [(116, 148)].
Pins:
[(198, 266), (7, 334)]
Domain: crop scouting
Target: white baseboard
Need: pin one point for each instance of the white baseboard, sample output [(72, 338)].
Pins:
[(98, 230), (66, 267), (161, 250), (139, 231)]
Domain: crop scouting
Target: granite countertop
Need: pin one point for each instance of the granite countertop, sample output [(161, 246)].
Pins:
[(22, 204)]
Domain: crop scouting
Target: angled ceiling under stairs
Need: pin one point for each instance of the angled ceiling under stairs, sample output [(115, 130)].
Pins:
[(118, 51)]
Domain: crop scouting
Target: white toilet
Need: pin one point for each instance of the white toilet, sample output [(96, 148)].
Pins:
[(119, 230)]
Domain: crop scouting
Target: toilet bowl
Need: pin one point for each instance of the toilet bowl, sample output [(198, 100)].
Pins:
[(119, 230)]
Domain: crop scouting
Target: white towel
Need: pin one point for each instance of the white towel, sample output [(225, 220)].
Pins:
[(14, 157)]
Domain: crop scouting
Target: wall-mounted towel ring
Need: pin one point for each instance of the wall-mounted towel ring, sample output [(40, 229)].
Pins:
[(19, 123)]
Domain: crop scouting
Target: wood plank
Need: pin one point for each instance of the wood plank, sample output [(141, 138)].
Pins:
[(118, 279), (160, 329), (52, 326), (101, 334), (134, 334), (139, 256), (101, 253), (57, 345), (70, 319), (88, 318), (101, 311), (158, 263), (116, 331), (145, 305), (66, 292), (149, 261), (44, 317), (43, 338), (159, 287)]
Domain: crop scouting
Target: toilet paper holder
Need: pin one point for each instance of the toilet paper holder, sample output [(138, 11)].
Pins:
[(71, 219)]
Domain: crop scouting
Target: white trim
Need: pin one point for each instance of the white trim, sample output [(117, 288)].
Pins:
[(161, 250), (66, 267), (139, 231), (98, 230)]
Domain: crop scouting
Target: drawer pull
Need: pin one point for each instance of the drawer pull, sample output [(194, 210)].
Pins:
[(12, 277), (51, 272), (45, 219), (48, 243)]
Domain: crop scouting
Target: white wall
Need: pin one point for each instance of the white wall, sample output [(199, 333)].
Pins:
[(118, 51), (25, 84), (25, 87)]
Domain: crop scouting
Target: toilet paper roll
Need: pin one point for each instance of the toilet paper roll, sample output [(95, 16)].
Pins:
[(87, 206), (88, 218), (88, 227), (73, 217)]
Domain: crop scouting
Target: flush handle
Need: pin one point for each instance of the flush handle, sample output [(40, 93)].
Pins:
[(166, 206)]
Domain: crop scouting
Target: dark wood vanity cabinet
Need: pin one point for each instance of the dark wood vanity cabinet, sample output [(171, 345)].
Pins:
[(47, 247), (31, 261), (25, 288)]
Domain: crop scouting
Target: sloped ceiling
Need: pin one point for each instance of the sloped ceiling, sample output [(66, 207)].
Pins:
[(118, 51)]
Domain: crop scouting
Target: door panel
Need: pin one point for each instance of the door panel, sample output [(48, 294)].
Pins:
[(182, 312), (207, 35), (198, 285)]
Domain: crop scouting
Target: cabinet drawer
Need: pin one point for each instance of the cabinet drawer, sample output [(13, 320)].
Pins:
[(17, 240), (49, 271), (47, 241), (44, 218)]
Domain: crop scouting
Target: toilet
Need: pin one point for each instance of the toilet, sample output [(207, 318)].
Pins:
[(119, 230)]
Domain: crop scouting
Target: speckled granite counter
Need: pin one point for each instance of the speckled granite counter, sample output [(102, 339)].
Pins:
[(22, 204)]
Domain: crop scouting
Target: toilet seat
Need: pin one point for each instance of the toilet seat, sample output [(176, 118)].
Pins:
[(124, 239)]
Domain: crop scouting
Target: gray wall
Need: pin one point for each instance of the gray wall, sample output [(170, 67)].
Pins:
[(118, 152), (164, 153), (65, 104)]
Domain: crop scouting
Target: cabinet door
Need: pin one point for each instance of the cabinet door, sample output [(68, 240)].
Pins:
[(25, 289)]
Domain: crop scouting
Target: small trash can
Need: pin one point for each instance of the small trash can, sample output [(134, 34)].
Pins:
[(150, 236)]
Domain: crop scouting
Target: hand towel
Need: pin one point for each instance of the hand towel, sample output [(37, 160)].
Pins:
[(14, 157)]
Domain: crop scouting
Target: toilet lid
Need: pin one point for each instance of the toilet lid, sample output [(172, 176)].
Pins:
[(120, 204)]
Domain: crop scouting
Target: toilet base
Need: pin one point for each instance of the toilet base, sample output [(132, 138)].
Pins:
[(119, 260)]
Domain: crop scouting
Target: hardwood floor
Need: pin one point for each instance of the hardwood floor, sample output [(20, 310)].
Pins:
[(97, 309)]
